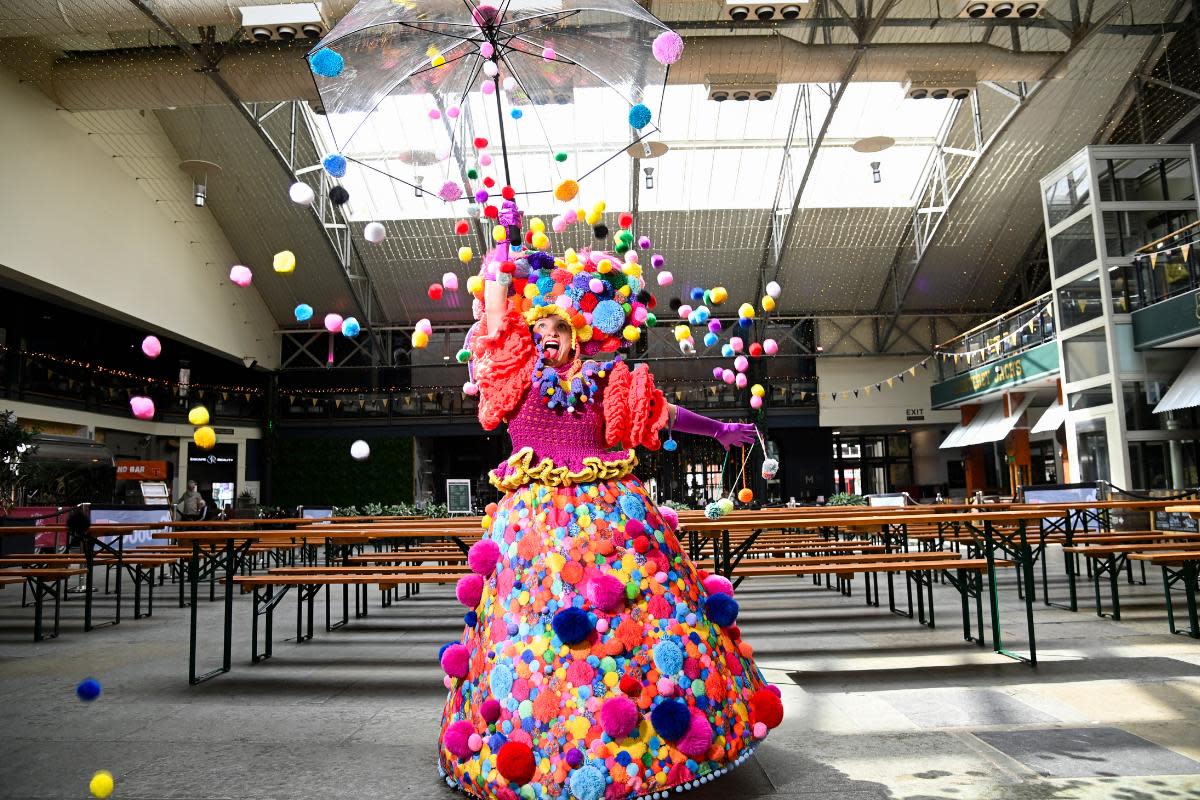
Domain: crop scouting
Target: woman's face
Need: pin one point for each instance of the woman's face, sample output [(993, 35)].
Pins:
[(556, 339)]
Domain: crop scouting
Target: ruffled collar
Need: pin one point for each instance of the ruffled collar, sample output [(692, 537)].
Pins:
[(562, 390)]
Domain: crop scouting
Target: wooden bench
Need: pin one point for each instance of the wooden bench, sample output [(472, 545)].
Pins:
[(42, 582), (1112, 559), (1178, 568)]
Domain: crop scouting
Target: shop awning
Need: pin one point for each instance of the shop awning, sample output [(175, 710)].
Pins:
[(1185, 391), (991, 424), (1051, 419)]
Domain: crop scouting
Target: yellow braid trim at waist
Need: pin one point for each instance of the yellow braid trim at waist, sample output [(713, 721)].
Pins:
[(523, 471)]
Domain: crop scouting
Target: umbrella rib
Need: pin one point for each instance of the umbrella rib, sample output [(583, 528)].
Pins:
[(430, 68), (517, 78), (619, 152)]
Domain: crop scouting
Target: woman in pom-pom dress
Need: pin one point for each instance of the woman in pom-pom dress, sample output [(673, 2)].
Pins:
[(596, 660)]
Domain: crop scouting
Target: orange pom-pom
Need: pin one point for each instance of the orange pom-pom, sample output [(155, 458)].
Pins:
[(745, 496)]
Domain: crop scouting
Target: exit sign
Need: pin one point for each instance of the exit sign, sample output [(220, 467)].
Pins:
[(914, 414)]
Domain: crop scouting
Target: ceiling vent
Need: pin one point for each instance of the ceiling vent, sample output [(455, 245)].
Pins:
[(283, 22), (947, 85), (720, 91), (1021, 9), (767, 12)]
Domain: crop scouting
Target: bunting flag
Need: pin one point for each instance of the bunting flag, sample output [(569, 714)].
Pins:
[(1153, 260), (1186, 250)]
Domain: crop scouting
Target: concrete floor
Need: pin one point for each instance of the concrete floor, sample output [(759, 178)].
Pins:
[(877, 706)]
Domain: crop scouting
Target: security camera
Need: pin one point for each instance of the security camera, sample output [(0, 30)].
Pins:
[(763, 95), (940, 94), (741, 95), (261, 34), (764, 13), (960, 94), (720, 96), (739, 13)]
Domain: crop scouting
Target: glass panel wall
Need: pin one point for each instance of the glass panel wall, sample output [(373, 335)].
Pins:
[(1073, 247), (1080, 300), (872, 464), (1069, 194), (1092, 435), (1145, 179), (1086, 356), (1126, 231)]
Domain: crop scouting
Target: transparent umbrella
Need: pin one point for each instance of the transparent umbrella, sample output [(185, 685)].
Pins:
[(555, 89)]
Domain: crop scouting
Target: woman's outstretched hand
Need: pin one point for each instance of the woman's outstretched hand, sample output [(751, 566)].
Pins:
[(736, 434)]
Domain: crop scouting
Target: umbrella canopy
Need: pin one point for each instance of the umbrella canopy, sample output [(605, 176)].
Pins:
[(524, 91)]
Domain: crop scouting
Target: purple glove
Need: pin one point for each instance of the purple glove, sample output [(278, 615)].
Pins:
[(727, 433)]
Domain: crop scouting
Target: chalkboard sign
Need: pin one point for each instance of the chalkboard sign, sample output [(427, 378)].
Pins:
[(458, 496), (1170, 521)]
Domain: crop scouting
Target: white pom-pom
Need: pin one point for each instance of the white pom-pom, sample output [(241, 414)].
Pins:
[(301, 193), (665, 278), (490, 69), (774, 290), (374, 232), (470, 389), (360, 450)]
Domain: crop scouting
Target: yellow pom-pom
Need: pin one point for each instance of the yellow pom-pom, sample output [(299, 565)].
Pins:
[(575, 267), (566, 190), (205, 438), (531, 290), (632, 333), (537, 225), (593, 217), (420, 339), (198, 416), (718, 295), (571, 255), (438, 61), (284, 262), (599, 207), (682, 332), (541, 241), (475, 285), (585, 333), (485, 522), (581, 213), (757, 390), (101, 784), (465, 254), (604, 266), (432, 50), (500, 233), (746, 311), (624, 291), (768, 303), (632, 269)]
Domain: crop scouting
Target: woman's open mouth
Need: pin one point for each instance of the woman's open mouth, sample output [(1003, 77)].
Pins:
[(551, 348)]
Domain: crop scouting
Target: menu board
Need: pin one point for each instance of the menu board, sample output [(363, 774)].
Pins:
[(458, 496), (1171, 521)]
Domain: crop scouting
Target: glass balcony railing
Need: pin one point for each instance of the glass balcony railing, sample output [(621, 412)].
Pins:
[(1013, 332), (1168, 267)]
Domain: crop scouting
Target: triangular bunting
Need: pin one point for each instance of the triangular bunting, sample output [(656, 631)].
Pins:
[(1153, 260), (1186, 249)]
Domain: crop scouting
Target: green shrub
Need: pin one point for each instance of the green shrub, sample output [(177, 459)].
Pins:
[(845, 499)]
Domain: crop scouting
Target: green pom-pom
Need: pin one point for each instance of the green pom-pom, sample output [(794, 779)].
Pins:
[(463, 356), (625, 236), (621, 248), (472, 173), (631, 590), (651, 320), (560, 156)]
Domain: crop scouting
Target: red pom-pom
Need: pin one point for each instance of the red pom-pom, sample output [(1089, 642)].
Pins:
[(508, 266), (515, 762), (734, 632), (701, 574), (755, 349), (489, 181), (588, 302), (462, 227), (528, 237), (490, 509), (652, 303), (508, 193), (435, 291), (767, 708), (630, 685), (641, 544), (625, 220), (491, 212), (480, 142)]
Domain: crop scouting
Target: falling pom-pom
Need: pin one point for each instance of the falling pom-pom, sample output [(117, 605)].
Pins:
[(101, 784), (455, 660), (774, 290), (329, 63), (671, 719), (572, 625), (205, 438), (619, 717), (88, 690), (360, 450), (515, 762), (374, 232), (667, 47), (435, 291), (301, 193), (548, 53), (241, 276), (151, 347), (198, 416), (350, 327), (303, 312), (284, 262), (469, 589), (333, 322), (639, 116), (721, 609), (142, 407), (335, 164), (339, 195), (482, 557)]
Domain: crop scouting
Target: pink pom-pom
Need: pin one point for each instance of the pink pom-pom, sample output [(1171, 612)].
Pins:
[(741, 364), (760, 730), (571, 217), (470, 389), (469, 589), (456, 660), (151, 347), (717, 373), (435, 114), (475, 742), (450, 191), (699, 736), (619, 717), (485, 160), (727, 375), (602, 625), (333, 322), (490, 710), (634, 527), (558, 224), (669, 516), (457, 738), (756, 402), (452, 112), (718, 584), (596, 285), (665, 278), (740, 380), (242, 276), (488, 87), (667, 47), (482, 557), (450, 281), (142, 407), (770, 347), (737, 344), (665, 686), (606, 592), (487, 50), (548, 53)]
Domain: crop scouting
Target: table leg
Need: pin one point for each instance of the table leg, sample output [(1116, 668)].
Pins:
[(1189, 582), (230, 570), (989, 550), (193, 571)]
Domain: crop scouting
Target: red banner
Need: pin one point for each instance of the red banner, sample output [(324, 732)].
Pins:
[(128, 470)]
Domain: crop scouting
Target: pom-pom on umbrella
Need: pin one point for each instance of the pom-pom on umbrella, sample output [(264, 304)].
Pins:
[(350, 327), (151, 347), (242, 276), (668, 47), (205, 438), (639, 116), (329, 63), (335, 164), (450, 191), (338, 195)]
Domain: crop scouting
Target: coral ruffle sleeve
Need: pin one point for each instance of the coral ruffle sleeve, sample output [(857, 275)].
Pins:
[(634, 408), (503, 363)]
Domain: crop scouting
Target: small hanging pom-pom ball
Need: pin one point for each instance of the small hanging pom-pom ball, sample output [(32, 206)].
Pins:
[(420, 340), (205, 438), (571, 625), (151, 347), (435, 291), (756, 350), (548, 53), (333, 322), (470, 389), (301, 193), (600, 231), (481, 196), (509, 84), (142, 407), (490, 69), (452, 112), (774, 290), (757, 390), (670, 445), (728, 376), (717, 372), (756, 403), (665, 278), (241, 276), (710, 339), (737, 344), (639, 116), (740, 380), (491, 212), (644, 243), (746, 311), (560, 156), (487, 50), (198, 416), (374, 232), (465, 254), (727, 350), (327, 63), (566, 191), (718, 295), (450, 282), (714, 326), (713, 511), (770, 346), (508, 193), (88, 690), (488, 87), (515, 762), (745, 495), (726, 504), (101, 785), (483, 556), (450, 191), (625, 220), (435, 114), (770, 467), (667, 47), (462, 227), (360, 450), (351, 328), (303, 312), (741, 364), (463, 356), (425, 326), (687, 347), (339, 195), (697, 294), (284, 262), (335, 164)]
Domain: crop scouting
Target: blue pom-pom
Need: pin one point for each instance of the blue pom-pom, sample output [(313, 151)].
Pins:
[(327, 63), (517, 113), (670, 445), (545, 285), (304, 312), (727, 350), (697, 294), (721, 609), (608, 316), (639, 116), (443, 648), (587, 783), (668, 657), (632, 506), (471, 619), (350, 327), (745, 322), (539, 261), (335, 164), (88, 690), (572, 625), (501, 681), (710, 339), (671, 719)]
